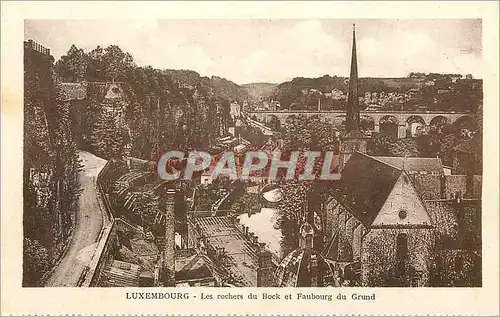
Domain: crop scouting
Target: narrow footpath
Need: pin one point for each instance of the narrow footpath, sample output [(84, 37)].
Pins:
[(89, 219)]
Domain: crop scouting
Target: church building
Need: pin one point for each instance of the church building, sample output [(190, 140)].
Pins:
[(390, 221)]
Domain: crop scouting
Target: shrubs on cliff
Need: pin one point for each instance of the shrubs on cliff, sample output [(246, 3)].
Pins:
[(36, 261), (50, 168), (156, 112)]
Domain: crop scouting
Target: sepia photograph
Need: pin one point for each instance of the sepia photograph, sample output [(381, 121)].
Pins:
[(252, 153)]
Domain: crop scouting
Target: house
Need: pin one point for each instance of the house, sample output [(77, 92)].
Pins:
[(240, 257), (193, 269), (467, 157)]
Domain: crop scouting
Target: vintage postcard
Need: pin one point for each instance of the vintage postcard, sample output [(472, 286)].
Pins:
[(289, 158)]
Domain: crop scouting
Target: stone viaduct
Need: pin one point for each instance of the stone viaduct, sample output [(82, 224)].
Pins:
[(400, 122)]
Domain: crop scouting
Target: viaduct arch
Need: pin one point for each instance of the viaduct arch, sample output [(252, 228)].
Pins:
[(402, 124)]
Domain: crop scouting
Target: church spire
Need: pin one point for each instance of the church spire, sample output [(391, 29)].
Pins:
[(352, 118)]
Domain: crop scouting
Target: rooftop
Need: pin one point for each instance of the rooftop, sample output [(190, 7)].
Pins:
[(412, 165), (240, 255), (121, 274), (366, 185), (191, 265)]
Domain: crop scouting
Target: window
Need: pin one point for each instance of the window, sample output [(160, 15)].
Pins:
[(402, 257), (402, 247), (402, 214)]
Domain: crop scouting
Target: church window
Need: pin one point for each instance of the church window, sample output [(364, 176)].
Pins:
[(402, 247), (402, 214)]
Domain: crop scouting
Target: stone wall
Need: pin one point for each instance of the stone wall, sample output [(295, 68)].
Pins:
[(454, 184), (378, 256), (428, 186)]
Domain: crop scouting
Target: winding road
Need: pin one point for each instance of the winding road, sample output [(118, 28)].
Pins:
[(87, 227)]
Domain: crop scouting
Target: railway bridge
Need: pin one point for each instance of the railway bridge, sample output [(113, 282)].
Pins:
[(400, 123)]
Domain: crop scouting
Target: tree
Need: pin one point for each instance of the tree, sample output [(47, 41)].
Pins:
[(73, 66), (96, 68), (309, 134), (117, 64), (291, 214), (245, 202), (274, 123), (380, 144), (404, 147), (385, 145), (36, 262)]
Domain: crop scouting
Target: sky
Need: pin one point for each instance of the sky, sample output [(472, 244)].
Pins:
[(249, 50)]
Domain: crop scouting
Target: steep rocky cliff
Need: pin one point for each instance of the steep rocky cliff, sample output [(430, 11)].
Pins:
[(50, 166), (153, 110)]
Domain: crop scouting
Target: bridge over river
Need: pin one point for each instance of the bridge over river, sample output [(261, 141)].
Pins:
[(398, 122)]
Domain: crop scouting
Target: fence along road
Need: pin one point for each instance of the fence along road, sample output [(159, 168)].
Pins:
[(89, 221)]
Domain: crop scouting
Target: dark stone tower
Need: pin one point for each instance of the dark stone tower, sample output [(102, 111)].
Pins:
[(353, 139)]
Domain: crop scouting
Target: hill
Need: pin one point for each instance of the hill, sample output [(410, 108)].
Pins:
[(221, 87), (258, 91), (290, 92)]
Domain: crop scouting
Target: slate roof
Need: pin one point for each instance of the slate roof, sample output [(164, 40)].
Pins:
[(366, 184), (240, 255), (412, 165), (122, 274)]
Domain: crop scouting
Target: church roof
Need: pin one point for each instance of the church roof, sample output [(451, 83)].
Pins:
[(428, 165), (367, 183)]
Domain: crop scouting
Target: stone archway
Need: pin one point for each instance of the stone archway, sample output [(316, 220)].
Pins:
[(366, 123), (438, 122), (388, 125), (339, 121), (414, 126)]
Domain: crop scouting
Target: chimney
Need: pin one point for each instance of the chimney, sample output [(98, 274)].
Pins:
[(156, 274), (265, 269), (169, 250)]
